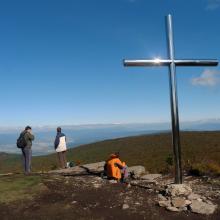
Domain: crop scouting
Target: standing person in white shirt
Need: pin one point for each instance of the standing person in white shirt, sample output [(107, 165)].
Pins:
[(60, 147)]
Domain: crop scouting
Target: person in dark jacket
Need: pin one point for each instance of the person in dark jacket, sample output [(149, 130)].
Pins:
[(26, 150), (60, 147)]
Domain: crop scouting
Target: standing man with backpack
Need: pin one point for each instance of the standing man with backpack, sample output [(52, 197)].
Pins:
[(24, 142)]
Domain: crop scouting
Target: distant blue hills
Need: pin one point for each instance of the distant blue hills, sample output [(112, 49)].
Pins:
[(83, 134)]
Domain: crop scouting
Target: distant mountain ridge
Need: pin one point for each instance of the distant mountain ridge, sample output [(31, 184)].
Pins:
[(197, 124), (84, 134)]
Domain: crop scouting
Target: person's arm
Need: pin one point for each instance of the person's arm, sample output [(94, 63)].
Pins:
[(30, 136), (56, 142), (119, 164)]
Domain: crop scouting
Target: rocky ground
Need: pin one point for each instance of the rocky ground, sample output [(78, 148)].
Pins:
[(83, 195)]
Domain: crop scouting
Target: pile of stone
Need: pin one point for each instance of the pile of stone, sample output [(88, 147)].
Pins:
[(179, 197)]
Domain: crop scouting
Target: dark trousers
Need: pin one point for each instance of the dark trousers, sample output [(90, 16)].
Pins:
[(27, 154), (62, 159)]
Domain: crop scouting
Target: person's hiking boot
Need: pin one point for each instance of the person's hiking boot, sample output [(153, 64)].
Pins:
[(122, 180)]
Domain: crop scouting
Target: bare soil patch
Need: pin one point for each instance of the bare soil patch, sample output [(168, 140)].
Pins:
[(90, 197)]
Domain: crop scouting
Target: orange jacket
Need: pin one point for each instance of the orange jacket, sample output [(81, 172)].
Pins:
[(112, 169)]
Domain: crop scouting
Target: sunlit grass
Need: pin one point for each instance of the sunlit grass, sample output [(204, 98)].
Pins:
[(19, 187)]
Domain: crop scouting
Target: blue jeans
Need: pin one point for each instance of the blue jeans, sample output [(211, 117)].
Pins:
[(27, 154)]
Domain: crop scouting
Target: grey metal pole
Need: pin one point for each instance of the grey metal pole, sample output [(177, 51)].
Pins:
[(174, 104)]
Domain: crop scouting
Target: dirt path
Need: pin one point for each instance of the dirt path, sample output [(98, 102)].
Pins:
[(90, 197)]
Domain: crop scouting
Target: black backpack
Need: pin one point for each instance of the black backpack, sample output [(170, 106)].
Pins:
[(21, 142)]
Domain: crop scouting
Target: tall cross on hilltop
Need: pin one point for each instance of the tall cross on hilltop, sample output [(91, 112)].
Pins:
[(171, 62)]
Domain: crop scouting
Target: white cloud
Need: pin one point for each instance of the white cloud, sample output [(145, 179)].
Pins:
[(207, 78), (213, 4)]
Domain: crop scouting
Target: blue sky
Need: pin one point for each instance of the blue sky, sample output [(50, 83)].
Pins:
[(61, 61)]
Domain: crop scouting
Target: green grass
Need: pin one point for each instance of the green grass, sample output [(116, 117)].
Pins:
[(19, 187), (10, 163), (199, 149)]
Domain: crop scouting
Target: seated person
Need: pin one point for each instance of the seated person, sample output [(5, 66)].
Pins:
[(115, 169)]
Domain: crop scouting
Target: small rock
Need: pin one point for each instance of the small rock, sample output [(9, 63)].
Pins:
[(134, 182), (183, 209), (164, 203), (96, 185), (203, 198), (161, 197), (209, 202), (193, 196), (188, 202), (128, 185), (125, 206), (137, 171), (187, 177), (202, 207), (173, 209), (178, 202), (178, 190), (127, 198), (151, 177), (94, 167), (113, 181)]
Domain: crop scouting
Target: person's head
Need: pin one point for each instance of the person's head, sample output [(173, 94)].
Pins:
[(59, 129), (117, 154), (27, 128)]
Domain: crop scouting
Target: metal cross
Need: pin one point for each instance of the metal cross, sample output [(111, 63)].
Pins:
[(171, 62)]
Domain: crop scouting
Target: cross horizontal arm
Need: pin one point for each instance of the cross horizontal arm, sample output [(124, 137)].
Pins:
[(159, 62)]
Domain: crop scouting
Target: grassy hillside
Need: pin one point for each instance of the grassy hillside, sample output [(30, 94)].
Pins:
[(9, 162), (200, 152)]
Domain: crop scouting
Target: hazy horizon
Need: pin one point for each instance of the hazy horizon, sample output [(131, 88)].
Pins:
[(84, 134), (49, 126)]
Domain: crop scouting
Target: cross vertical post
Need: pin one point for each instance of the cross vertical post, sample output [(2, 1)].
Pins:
[(174, 104), (171, 62)]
